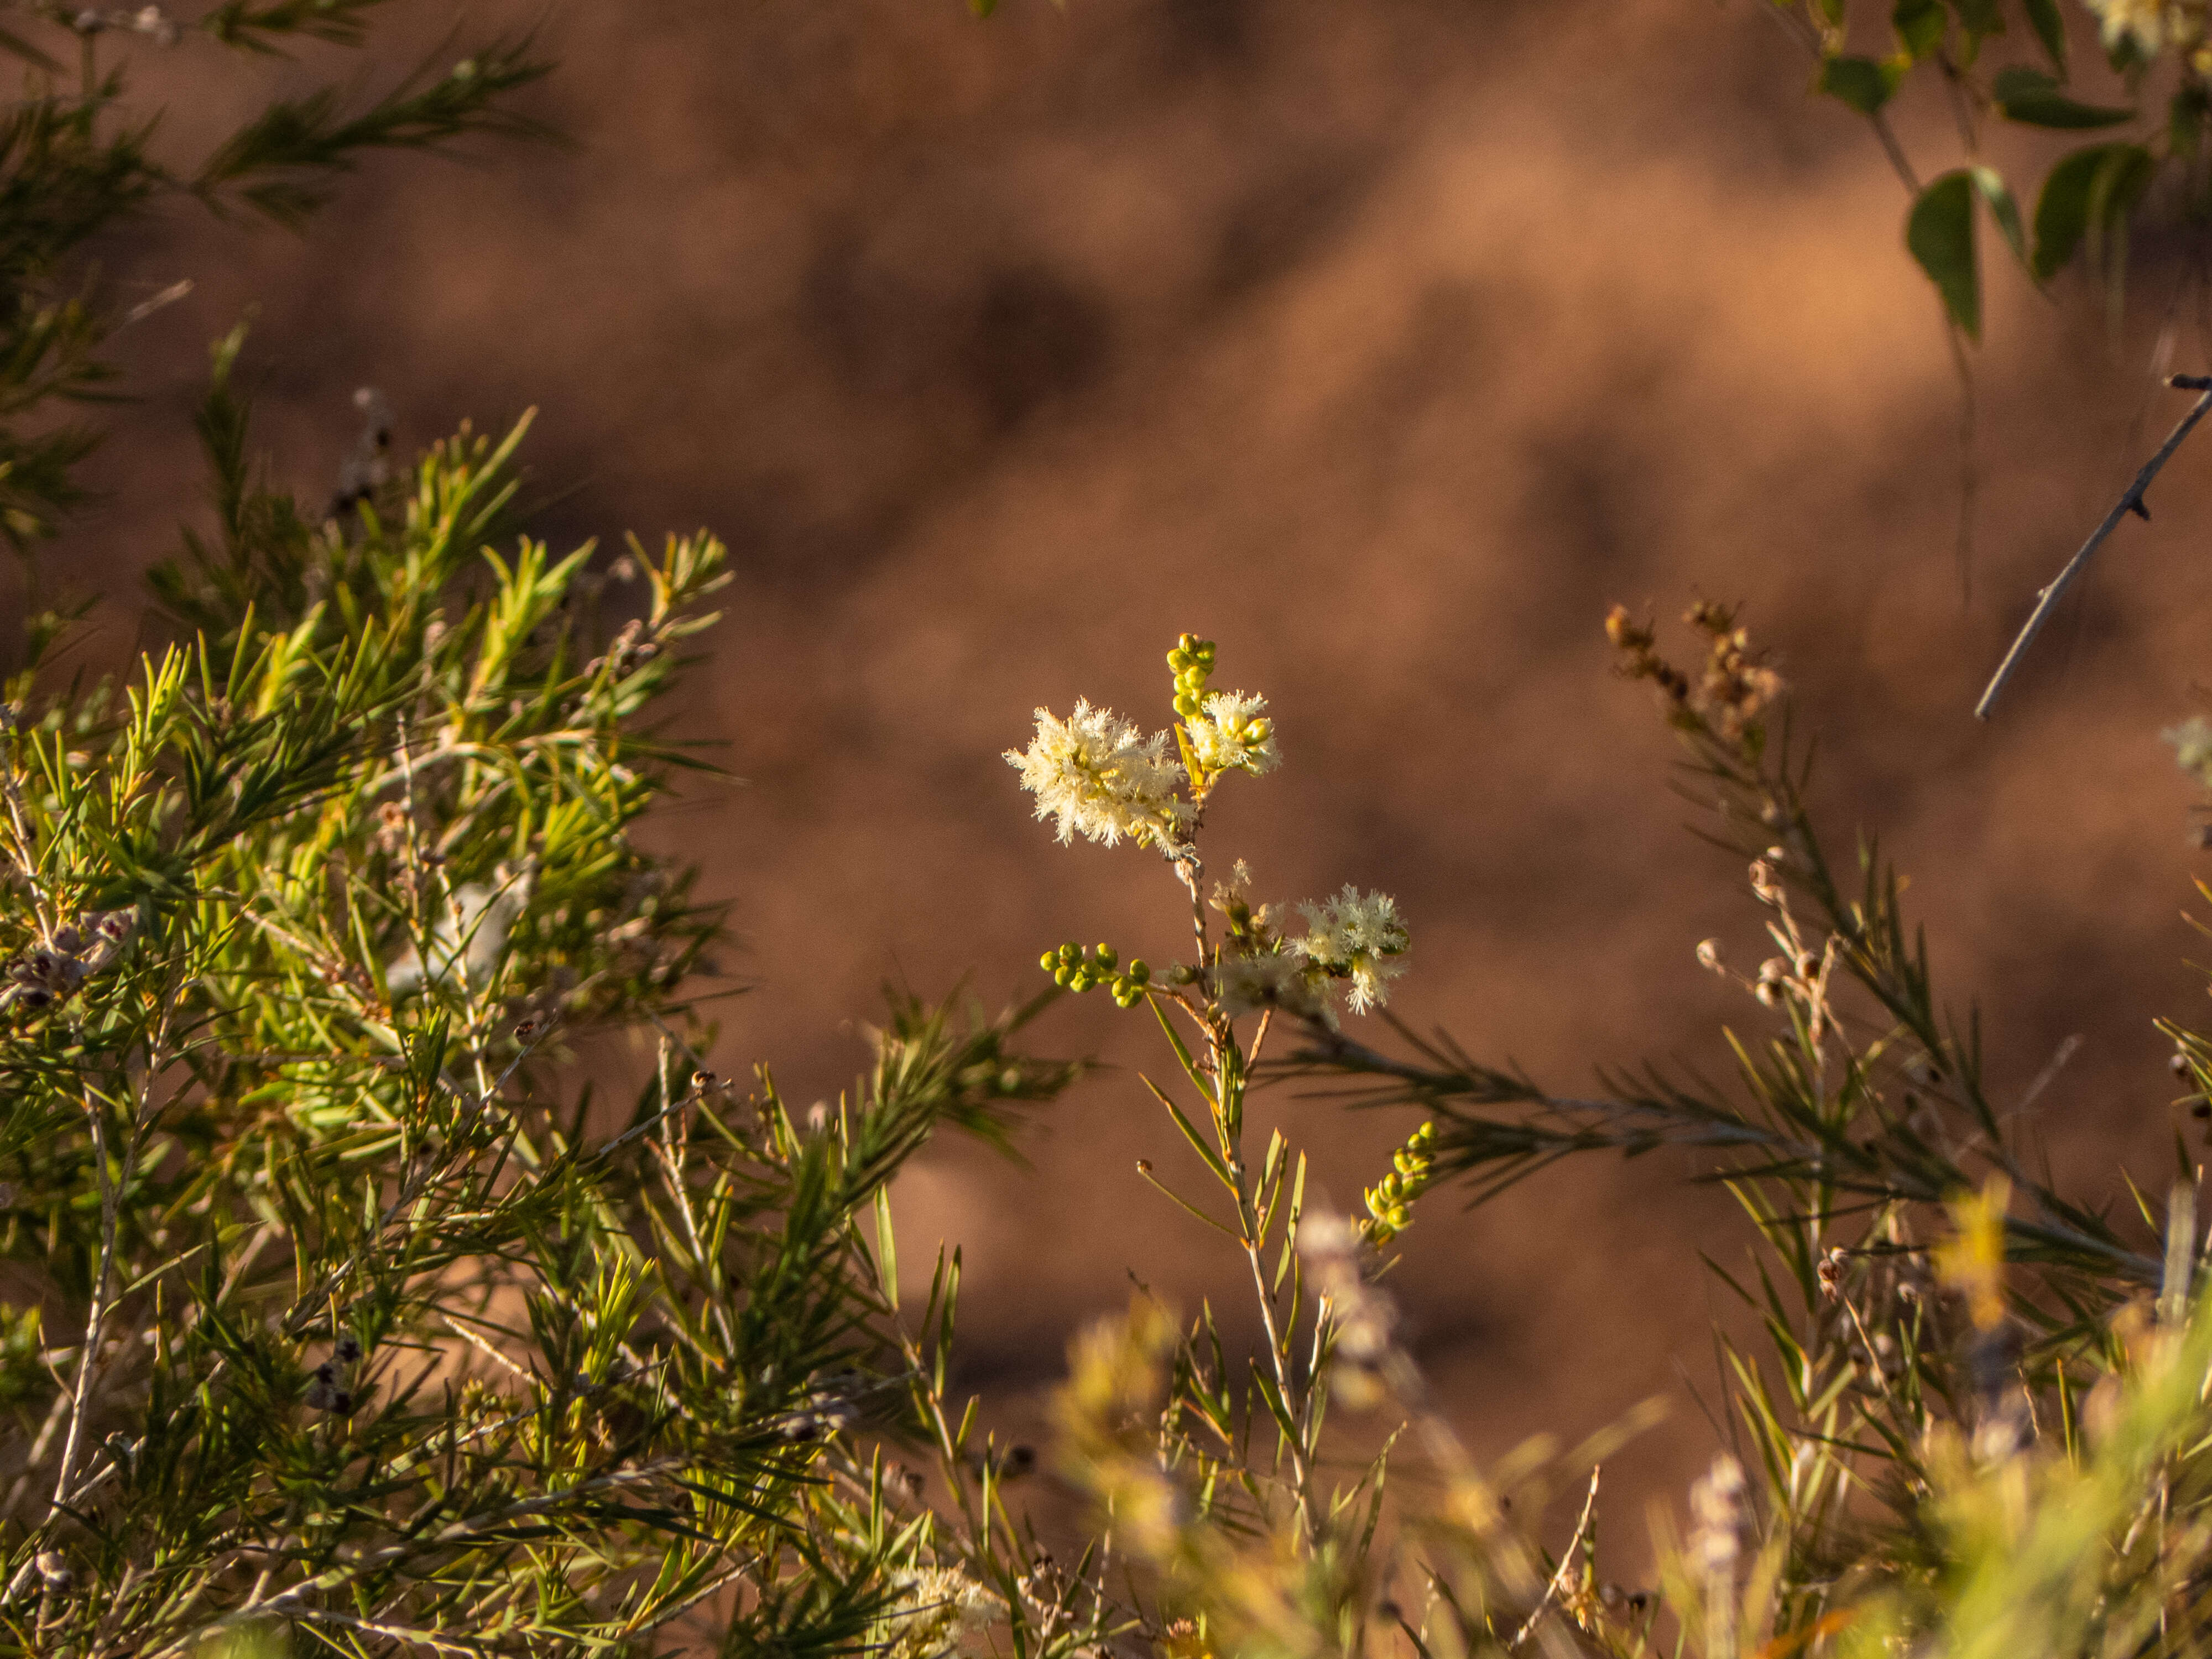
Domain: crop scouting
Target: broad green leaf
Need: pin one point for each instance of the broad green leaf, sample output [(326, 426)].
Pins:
[(1921, 26), (1862, 82), (2003, 209), (2079, 200), (1940, 233), (2033, 99), (2050, 28)]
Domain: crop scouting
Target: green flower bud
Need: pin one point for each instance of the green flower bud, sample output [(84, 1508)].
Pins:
[(1108, 956), (1178, 660), (1188, 643), (1050, 961), (1064, 977), (1081, 980), (1426, 1134), (1138, 973), (1401, 1218), (1259, 731), (1185, 704), (1071, 952), (1203, 651)]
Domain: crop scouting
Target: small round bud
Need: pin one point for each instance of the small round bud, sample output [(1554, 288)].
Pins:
[(1143, 1166), (1071, 952), (1139, 973), (1107, 955), (1187, 644), (1080, 980), (1178, 660), (1204, 652), (1050, 961), (1185, 704), (1064, 977)]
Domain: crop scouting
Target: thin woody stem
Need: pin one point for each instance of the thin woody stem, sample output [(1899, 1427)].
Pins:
[(2131, 500), (110, 1198)]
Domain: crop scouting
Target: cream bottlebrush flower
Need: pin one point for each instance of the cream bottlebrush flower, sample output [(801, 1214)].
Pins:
[(943, 1608), (1231, 733), (1356, 938), (1102, 777)]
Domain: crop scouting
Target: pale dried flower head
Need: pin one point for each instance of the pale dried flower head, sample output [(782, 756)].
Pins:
[(1102, 778), (1365, 1319), (1717, 1505), (1764, 886)]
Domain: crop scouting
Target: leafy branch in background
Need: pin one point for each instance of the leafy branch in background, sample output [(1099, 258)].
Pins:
[(342, 1299), (79, 159), (2091, 197), (2088, 197)]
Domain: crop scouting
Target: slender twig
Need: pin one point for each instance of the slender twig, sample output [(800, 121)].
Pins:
[(2131, 500), (1566, 1564), (111, 1196)]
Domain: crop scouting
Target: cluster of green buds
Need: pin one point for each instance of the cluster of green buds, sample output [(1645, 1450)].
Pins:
[(1192, 662), (1389, 1200), (1074, 968)]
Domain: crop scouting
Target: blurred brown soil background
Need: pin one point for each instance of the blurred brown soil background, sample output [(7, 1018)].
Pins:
[(1387, 345)]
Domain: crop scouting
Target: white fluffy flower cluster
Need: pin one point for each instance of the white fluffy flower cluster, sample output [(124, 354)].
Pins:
[(1231, 733), (1268, 979), (943, 1610), (1102, 777), (1356, 938)]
